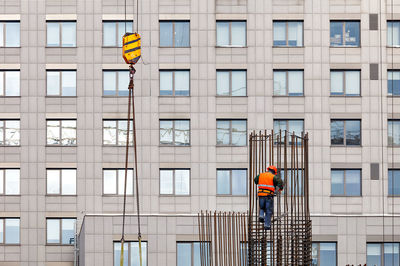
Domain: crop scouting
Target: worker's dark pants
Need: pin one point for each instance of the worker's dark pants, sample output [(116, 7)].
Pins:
[(266, 209)]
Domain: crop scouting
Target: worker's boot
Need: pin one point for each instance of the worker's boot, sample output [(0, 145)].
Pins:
[(261, 219)]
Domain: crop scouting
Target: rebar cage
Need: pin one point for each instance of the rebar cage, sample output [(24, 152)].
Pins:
[(229, 238)]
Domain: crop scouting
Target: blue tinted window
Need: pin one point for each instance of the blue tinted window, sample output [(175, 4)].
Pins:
[(394, 182), (394, 83), (346, 182), (345, 33), (346, 132), (353, 132), (324, 254), (174, 34), (166, 34)]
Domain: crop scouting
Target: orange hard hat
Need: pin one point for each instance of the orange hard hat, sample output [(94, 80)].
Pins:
[(272, 168)]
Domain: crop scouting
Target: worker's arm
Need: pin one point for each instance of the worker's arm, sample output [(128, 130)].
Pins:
[(256, 179), (278, 182)]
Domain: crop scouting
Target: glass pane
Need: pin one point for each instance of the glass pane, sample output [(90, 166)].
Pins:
[(53, 231), (239, 182), (394, 132), (109, 34), (184, 254), (1, 231), (68, 132), (181, 34), (239, 83), (166, 83), (53, 181), (182, 133), (166, 182), (123, 83), (336, 33), (337, 83), (12, 136), (223, 182), (69, 182), (12, 34), (166, 34), (223, 83), (315, 248), (68, 231), (395, 32), (12, 181), (337, 132), (279, 33), (12, 231), (2, 25), (122, 30), (296, 126), (12, 83), (222, 33), (69, 83), (352, 82), (239, 132), (69, 34), (109, 132), (295, 33), (166, 127), (117, 254), (391, 254), (110, 82), (121, 182), (374, 254), (197, 255), (53, 132), (328, 254), (394, 182), (280, 83), (353, 132), (390, 33), (337, 182), (223, 132), (352, 34), (353, 182), (2, 73), (1, 184), (110, 181), (53, 34), (182, 182), (279, 125), (239, 33), (394, 83), (295, 83), (53, 83), (182, 83), (2, 132), (135, 259), (122, 132)]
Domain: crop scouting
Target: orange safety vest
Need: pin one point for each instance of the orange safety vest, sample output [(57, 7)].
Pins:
[(266, 184)]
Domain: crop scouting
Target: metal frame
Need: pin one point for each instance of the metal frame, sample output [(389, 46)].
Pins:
[(173, 182), (344, 182), (344, 133), (60, 230), (230, 33), (60, 182), (173, 144), (287, 33), (116, 31), (129, 250), (116, 71), (230, 71), (61, 135), (116, 137), (230, 181), (230, 132), (173, 71), (3, 128), (60, 44), (344, 71), (173, 32), (343, 34), (287, 71), (117, 182), (60, 78)]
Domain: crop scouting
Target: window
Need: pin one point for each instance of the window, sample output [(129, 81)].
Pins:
[(394, 132), (231, 132), (9, 181), (288, 82), (232, 182), (345, 82), (174, 33), (114, 182), (231, 33), (9, 231), (61, 181), (288, 33), (174, 82), (231, 82), (115, 82), (61, 132), (61, 83), (10, 34), (394, 82), (346, 132), (394, 182), (188, 254), (393, 33), (61, 231), (10, 83), (115, 131), (297, 187), (113, 31), (175, 132), (291, 125), (175, 182), (61, 34), (324, 254), (131, 253), (346, 182), (345, 33), (390, 253), (9, 133)]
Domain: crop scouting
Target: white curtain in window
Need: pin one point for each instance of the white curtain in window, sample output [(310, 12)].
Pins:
[(279, 33), (353, 83), (296, 82), (337, 82), (166, 182), (295, 33), (279, 83), (182, 182)]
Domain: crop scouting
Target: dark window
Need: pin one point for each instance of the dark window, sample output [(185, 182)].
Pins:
[(346, 132), (345, 33)]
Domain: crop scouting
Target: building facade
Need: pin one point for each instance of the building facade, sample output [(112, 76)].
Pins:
[(212, 71)]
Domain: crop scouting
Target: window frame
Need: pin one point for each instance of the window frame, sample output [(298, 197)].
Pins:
[(117, 135), (344, 133), (3, 25), (389, 190), (4, 182), (230, 45), (173, 81), (60, 131), (116, 194), (392, 31), (4, 132), (60, 182), (173, 35), (319, 250), (344, 71), (287, 71), (344, 182), (287, 120), (60, 219), (390, 133), (343, 33), (230, 132), (173, 133), (60, 22), (230, 183), (3, 72), (392, 71), (173, 194), (230, 71), (287, 34), (116, 71), (129, 251), (116, 21), (382, 250), (191, 250), (3, 241), (60, 71)]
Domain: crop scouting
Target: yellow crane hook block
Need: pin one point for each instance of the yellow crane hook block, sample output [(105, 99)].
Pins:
[(131, 48)]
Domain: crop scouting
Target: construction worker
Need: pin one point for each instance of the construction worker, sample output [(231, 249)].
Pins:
[(267, 182)]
